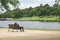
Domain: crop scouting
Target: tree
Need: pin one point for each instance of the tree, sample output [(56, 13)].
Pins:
[(57, 3), (4, 3)]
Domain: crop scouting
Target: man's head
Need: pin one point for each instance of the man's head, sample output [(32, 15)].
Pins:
[(15, 23)]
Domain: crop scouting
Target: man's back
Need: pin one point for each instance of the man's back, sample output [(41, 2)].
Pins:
[(15, 24)]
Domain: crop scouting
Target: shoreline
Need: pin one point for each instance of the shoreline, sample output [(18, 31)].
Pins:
[(42, 29), (31, 20), (41, 19)]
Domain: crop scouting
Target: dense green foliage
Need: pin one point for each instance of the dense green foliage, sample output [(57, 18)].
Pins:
[(40, 11), (4, 3)]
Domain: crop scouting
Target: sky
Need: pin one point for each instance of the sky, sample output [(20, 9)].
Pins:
[(33, 3)]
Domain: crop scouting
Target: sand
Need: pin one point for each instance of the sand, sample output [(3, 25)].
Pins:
[(29, 35)]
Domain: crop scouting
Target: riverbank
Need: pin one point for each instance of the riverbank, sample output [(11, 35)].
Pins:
[(29, 35), (43, 19), (43, 29)]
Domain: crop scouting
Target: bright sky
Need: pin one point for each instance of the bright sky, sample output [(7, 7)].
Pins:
[(34, 3)]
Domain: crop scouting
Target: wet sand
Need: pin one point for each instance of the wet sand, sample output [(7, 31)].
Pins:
[(29, 35)]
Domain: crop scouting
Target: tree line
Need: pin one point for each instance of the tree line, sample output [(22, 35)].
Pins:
[(40, 11)]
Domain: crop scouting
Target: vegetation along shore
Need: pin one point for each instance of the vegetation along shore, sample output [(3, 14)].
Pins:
[(42, 19)]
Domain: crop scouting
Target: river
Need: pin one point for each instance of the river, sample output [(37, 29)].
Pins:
[(32, 24)]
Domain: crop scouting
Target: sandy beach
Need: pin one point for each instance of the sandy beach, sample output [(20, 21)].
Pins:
[(29, 35)]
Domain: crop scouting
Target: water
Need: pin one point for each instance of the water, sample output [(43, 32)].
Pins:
[(32, 24)]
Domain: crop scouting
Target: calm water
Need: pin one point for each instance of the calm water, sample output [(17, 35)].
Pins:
[(32, 24)]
